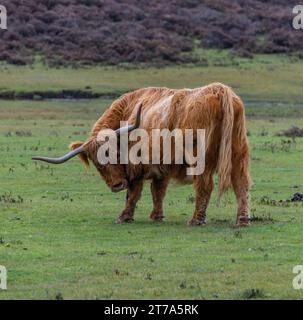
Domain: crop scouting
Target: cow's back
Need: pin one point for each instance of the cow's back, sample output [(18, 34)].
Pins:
[(176, 108)]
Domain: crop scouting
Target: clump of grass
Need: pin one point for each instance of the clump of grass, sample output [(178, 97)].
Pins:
[(148, 276), (18, 133), (263, 218), (238, 234), (9, 198), (59, 296), (23, 133), (40, 167), (253, 294), (284, 146), (263, 132), (190, 199), (265, 200), (66, 196), (8, 134), (297, 197), (292, 132), (220, 221)]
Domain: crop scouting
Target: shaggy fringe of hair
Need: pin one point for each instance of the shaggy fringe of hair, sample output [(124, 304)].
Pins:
[(83, 156)]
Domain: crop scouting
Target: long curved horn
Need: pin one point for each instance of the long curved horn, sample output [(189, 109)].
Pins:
[(62, 159), (131, 127)]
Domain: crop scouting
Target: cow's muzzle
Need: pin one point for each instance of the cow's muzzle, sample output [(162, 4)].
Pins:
[(119, 187)]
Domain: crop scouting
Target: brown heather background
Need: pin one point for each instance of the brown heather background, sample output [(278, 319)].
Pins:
[(153, 32)]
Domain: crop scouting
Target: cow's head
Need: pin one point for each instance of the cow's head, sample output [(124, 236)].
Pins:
[(114, 175)]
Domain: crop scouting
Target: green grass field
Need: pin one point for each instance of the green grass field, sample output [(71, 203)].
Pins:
[(266, 77), (58, 236)]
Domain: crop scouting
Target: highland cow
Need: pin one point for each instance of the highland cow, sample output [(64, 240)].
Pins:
[(214, 108)]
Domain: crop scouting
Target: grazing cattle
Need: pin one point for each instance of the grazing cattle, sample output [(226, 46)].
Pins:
[(214, 108)]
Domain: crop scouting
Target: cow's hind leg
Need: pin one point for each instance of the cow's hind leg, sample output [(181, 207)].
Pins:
[(133, 195), (241, 184), (203, 186), (240, 165), (158, 189)]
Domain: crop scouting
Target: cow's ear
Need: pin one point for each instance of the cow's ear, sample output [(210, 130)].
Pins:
[(83, 156)]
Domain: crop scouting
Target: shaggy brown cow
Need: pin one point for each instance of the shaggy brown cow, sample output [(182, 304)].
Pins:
[(215, 108)]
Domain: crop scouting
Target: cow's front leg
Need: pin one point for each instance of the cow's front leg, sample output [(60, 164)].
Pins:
[(158, 189), (203, 186), (133, 195)]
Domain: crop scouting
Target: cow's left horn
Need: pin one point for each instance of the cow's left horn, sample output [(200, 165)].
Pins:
[(62, 159), (131, 127)]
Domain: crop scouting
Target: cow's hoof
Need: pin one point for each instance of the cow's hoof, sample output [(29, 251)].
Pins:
[(125, 218), (195, 222), (156, 216), (243, 221)]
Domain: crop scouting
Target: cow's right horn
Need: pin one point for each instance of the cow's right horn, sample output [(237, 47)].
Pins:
[(133, 126), (62, 159)]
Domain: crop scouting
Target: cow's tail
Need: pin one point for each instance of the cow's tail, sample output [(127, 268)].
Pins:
[(224, 166)]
